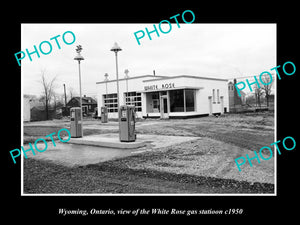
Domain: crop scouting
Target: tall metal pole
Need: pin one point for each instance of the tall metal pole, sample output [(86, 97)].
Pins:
[(117, 80), (79, 58), (106, 79), (65, 96), (126, 89), (126, 77), (106, 88), (116, 49), (80, 99), (65, 111)]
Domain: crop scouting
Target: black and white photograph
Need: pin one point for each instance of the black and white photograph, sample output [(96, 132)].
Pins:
[(127, 111), (181, 113)]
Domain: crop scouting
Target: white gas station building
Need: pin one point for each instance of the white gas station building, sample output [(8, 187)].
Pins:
[(153, 96)]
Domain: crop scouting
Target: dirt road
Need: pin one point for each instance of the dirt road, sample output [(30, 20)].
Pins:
[(157, 172), (103, 178)]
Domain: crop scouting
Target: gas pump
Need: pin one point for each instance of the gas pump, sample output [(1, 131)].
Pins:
[(104, 114), (76, 125), (127, 123)]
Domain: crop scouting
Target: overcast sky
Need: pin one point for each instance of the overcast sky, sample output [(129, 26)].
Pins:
[(210, 50)]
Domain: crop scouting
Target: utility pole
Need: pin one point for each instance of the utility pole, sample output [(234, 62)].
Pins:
[(65, 110), (65, 96)]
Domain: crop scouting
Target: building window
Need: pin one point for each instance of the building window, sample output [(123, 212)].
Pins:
[(214, 96), (133, 98), (189, 100), (218, 95), (182, 100), (155, 104), (176, 101), (155, 101), (152, 102), (155, 95), (111, 102)]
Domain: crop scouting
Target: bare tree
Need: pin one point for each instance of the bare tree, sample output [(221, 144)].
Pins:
[(267, 88), (48, 91), (72, 93), (258, 93)]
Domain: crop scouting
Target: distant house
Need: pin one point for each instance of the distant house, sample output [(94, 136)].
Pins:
[(26, 108), (33, 109), (38, 111), (88, 104)]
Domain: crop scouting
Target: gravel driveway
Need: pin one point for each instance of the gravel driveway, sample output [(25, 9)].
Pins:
[(207, 161)]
